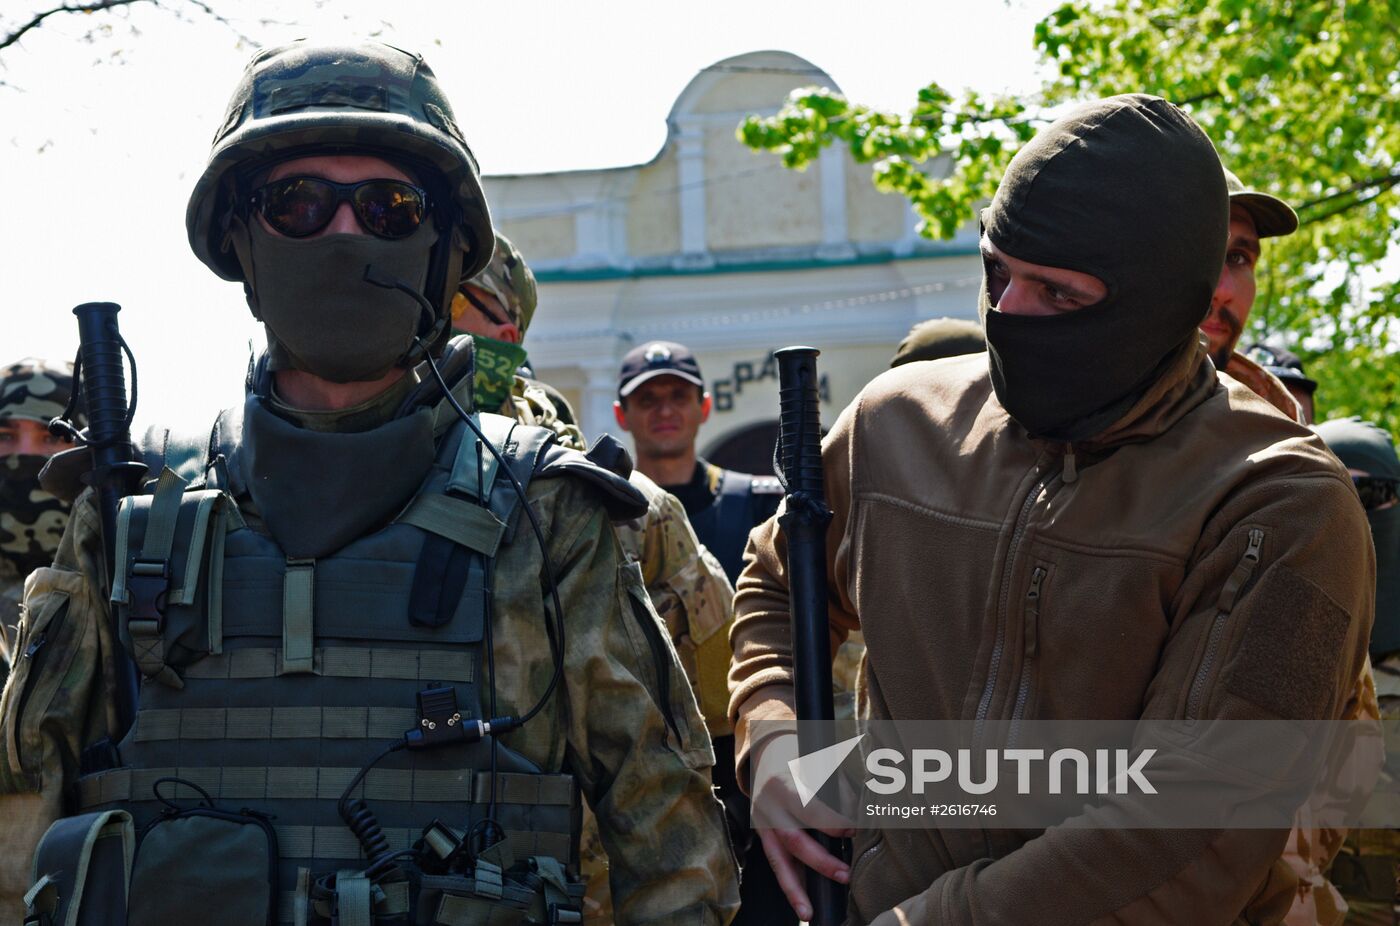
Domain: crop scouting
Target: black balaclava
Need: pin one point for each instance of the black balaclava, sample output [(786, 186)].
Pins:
[(1130, 190), (1363, 446)]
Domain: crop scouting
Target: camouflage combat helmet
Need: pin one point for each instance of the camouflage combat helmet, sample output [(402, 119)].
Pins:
[(300, 99), (510, 280), (35, 389)]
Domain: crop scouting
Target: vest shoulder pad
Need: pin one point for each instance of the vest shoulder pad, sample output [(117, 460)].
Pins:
[(186, 452), (622, 500)]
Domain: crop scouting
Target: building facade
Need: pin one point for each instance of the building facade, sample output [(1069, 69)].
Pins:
[(725, 250)]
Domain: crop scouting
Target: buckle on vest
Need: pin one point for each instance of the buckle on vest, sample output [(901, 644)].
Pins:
[(559, 914), (148, 584)]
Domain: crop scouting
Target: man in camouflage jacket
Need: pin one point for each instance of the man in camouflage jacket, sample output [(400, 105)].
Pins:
[(32, 391), (686, 583), (353, 299)]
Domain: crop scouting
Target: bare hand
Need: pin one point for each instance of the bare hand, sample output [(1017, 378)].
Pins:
[(782, 823)]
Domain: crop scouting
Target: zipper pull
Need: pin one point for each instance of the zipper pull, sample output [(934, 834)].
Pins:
[(37, 645), (1071, 469), (1256, 542), (1033, 609)]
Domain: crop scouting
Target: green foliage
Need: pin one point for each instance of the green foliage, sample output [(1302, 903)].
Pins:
[(974, 134), (1302, 99)]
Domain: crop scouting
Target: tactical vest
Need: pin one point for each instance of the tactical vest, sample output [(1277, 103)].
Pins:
[(742, 503), (269, 682)]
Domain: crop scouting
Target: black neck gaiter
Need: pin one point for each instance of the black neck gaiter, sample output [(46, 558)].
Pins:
[(321, 314), (1129, 190)]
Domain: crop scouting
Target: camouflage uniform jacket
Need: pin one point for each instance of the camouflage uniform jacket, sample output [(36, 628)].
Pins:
[(686, 583), (644, 771), (11, 592)]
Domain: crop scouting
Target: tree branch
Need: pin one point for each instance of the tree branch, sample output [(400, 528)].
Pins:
[(224, 20), (96, 6), (1359, 201), (1384, 181)]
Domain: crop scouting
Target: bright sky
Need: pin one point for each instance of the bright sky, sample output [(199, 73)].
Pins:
[(104, 136)]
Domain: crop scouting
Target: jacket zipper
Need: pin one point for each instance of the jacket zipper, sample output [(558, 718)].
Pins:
[(865, 856), (1031, 633), (1228, 596), (984, 705)]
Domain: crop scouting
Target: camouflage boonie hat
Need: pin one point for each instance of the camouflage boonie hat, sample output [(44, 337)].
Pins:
[(510, 280), (35, 389), (301, 99)]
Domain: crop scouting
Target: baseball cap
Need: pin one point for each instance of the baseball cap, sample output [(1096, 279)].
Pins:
[(657, 358), (1272, 216), (1283, 364)]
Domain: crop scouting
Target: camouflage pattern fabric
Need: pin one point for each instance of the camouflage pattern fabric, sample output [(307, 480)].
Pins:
[(690, 592), (11, 593), (510, 280), (1367, 870), (31, 520), (302, 96), (649, 783), (35, 389)]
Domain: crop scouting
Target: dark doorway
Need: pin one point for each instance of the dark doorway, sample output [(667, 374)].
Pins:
[(748, 450)]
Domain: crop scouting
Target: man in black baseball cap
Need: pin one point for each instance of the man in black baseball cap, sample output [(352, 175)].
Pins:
[(661, 401)]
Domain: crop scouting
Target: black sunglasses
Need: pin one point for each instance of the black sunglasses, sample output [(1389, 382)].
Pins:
[(1375, 491), (302, 206)]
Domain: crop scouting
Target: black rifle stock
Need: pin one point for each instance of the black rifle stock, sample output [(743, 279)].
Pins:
[(804, 522), (102, 381)]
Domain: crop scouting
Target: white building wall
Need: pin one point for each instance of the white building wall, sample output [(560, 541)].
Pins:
[(727, 252)]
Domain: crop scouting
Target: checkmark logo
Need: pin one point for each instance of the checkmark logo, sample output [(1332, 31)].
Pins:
[(811, 772)]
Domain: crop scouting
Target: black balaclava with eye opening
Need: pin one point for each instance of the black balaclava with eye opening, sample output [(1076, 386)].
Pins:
[(1130, 190)]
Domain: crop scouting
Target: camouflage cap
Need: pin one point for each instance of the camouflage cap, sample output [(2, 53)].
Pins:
[(1272, 216), (35, 389), (510, 280), (303, 98)]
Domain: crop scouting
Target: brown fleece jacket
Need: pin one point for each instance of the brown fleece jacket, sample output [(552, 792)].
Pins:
[(943, 511)]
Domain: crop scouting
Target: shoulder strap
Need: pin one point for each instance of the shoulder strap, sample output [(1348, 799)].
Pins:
[(470, 518)]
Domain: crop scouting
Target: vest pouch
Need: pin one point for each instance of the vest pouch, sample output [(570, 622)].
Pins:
[(168, 587), (532, 892), (80, 873), (207, 866)]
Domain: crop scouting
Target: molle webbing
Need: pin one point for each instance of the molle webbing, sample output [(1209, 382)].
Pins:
[(296, 783), (363, 662), (289, 674)]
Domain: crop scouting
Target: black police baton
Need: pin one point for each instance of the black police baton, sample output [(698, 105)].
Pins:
[(804, 521), (99, 377)]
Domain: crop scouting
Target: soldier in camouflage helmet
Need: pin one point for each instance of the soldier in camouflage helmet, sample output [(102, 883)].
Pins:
[(32, 391), (686, 583), (413, 651)]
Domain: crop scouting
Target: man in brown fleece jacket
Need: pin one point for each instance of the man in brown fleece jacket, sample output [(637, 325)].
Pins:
[(1193, 553)]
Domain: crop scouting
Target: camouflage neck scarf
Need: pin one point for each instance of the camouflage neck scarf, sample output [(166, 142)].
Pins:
[(31, 520)]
